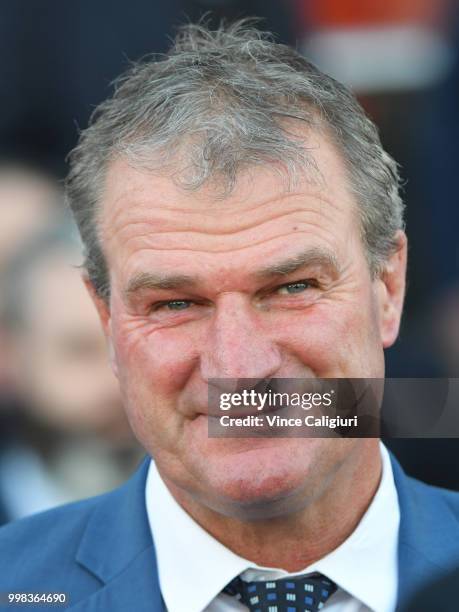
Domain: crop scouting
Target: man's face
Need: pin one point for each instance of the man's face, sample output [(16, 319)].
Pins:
[(205, 288)]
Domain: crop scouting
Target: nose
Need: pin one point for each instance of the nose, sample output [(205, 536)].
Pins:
[(239, 344)]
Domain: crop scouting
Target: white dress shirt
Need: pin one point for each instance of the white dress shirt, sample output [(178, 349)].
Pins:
[(194, 567)]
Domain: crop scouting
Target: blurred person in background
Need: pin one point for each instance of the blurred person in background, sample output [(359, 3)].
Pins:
[(72, 438), (29, 198), (29, 201)]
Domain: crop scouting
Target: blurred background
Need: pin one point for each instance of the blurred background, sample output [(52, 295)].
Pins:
[(62, 431)]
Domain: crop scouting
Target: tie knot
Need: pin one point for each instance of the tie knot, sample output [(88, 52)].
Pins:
[(305, 593)]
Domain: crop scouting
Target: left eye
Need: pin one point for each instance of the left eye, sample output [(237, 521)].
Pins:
[(293, 288), (175, 305)]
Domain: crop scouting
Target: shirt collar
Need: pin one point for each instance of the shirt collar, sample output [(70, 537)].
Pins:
[(187, 555), (364, 565)]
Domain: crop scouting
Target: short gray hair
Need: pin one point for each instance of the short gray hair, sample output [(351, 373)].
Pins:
[(220, 101)]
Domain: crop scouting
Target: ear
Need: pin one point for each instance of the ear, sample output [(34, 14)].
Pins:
[(103, 309), (392, 282)]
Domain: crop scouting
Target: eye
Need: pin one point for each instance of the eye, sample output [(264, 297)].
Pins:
[(178, 305), (296, 287), (173, 305)]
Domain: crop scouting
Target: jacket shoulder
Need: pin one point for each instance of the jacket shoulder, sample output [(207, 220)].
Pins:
[(446, 497)]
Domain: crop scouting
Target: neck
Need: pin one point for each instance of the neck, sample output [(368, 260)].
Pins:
[(294, 541)]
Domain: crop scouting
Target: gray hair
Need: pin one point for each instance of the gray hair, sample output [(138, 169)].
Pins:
[(220, 101)]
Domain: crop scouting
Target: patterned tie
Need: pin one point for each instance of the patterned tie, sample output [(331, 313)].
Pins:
[(300, 594)]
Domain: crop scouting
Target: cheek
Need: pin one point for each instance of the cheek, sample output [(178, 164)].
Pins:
[(153, 367), (338, 339), (320, 341)]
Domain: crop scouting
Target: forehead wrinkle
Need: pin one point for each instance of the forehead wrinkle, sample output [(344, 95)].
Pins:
[(115, 214), (202, 199), (140, 230), (147, 205), (330, 261)]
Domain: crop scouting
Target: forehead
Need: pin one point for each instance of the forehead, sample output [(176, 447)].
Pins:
[(148, 215)]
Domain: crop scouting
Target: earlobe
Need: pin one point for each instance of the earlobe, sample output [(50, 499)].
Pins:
[(393, 280)]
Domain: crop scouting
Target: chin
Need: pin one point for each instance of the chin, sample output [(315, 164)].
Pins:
[(263, 478)]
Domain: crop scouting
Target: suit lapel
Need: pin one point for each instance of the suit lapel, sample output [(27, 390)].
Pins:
[(428, 542), (117, 548), (135, 588)]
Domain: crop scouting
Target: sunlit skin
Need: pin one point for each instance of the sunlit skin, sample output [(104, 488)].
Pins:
[(263, 283)]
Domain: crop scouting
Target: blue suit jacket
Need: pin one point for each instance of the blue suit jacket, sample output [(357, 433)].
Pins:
[(100, 551)]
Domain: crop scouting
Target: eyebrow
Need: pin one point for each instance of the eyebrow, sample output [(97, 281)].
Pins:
[(149, 280), (315, 256), (311, 257)]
